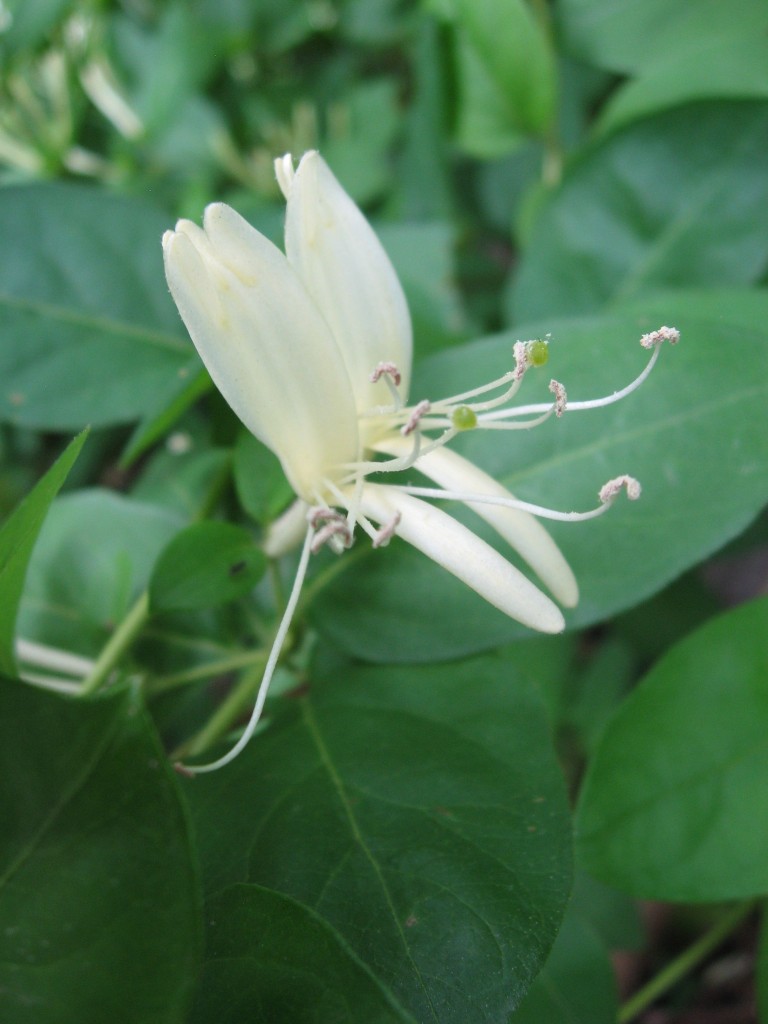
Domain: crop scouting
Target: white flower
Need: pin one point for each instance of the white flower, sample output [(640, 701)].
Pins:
[(312, 350)]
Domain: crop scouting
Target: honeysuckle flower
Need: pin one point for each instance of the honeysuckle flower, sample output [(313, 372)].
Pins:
[(312, 349)]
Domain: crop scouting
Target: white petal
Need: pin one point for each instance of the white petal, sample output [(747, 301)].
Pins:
[(520, 529), (266, 346), (462, 553), (347, 272)]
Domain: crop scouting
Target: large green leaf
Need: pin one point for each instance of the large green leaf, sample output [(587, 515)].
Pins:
[(413, 822), (577, 984), (732, 67), (286, 963), (95, 554), (694, 434), (626, 36), (17, 538), (677, 200), (99, 903), (88, 334), (675, 805)]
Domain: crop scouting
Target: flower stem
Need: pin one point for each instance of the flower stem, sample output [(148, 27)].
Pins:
[(684, 963), (117, 645)]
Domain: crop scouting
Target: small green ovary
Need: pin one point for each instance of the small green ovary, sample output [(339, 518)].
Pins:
[(464, 418), (538, 352)]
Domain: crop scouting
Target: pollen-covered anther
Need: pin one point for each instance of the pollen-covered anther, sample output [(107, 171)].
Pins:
[(387, 531), (520, 352), (321, 514), (659, 336), (561, 398), (337, 535), (386, 369), (419, 410), (610, 491)]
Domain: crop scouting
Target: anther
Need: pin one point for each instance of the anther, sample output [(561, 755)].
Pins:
[(336, 535), (611, 490), (418, 411), (390, 370), (670, 334), (321, 514), (387, 532), (561, 398), (520, 352)]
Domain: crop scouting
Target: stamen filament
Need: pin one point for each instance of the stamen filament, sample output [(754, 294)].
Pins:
[(269, 669), (592, 403), (541, 511)]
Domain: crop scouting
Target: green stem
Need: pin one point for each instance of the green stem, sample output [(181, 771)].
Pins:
[(684, 963), (117, 645), (206, 671), (225, 714)]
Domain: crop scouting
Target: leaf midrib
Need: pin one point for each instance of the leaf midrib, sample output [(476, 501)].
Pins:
[(80, 318), (67, 796), (338, 785)]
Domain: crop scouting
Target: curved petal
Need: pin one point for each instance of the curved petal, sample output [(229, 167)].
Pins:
[(520, 529), (266, 346), (462, 553), (344, 268)]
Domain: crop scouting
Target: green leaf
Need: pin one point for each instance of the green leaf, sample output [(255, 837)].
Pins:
[(17, 539), (419, 816), (677, 200), (285, 962), (205, 565), (90, 334), (731, 67), (262, 488), (99, 901), (674, 806), (94, 556), (28, 25), (516, 56), (577, 984), (486, 128), (189, 384), (694, 434), (625, 36)]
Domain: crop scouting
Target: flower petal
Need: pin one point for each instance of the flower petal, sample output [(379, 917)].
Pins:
[(520, 529), (266, 346), (347, 272), (462, 553)]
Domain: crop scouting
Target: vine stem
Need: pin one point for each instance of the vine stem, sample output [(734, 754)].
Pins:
[(684, 963), (117, 645)]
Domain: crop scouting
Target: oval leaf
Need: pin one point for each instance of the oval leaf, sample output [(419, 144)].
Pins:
[(205, 565), (675, 805), (420, 815), (672, 201), (90, 334), (99, 905)]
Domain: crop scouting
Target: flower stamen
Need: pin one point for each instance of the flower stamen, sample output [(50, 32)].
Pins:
[(418, 411), (561, 398)]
